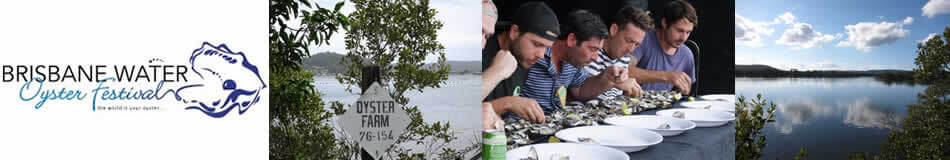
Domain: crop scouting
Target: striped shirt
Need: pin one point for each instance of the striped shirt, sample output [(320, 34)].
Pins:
[(544, 80), (598, 66), (603, 61)]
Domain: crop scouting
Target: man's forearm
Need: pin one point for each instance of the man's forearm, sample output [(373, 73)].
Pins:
[(490, 79), (644, 76), (592, 87), (497, 106)]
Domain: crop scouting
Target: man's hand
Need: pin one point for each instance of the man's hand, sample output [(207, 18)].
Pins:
[(680, 80), (491, 120), (526, 108), (504, 64), (630, 88), (615, 74)]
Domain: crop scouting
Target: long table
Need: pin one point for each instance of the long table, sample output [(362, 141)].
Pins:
[(707, 143), (698, 143)]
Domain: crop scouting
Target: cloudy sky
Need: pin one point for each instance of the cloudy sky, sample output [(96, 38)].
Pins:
[(460, 31), (836, 35)]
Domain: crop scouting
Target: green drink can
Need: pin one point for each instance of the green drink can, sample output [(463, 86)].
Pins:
[(494, 145)]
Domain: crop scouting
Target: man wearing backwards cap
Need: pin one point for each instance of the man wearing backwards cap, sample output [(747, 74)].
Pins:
[(561, 71), (534, 29)]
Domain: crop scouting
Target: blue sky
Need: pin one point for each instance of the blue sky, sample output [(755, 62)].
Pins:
[(836, 35)]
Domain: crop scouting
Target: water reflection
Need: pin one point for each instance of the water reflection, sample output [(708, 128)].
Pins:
[(797, 112), (831, 117), (862, 114)]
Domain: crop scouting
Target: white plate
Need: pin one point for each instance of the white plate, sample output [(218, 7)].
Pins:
[(713, 105), (572, 150), (731, 98), (623, 138), (651, 122), (702, 117)]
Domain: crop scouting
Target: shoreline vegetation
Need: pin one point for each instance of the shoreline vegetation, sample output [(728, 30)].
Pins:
[(765, 71)]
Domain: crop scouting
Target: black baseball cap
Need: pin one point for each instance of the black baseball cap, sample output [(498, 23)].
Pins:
[(537, 18)]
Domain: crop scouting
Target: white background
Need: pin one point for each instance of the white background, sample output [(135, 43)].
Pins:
[(127, 32)]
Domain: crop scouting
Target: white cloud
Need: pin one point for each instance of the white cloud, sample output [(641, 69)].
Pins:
[(866, 35), (799, 35), (786, 18), (749, 33), (935, 7), (929, 36), (803, 35)]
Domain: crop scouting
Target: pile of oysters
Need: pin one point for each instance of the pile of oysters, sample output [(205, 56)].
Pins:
[(521, 132)]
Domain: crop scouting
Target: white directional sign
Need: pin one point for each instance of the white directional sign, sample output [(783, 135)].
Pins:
[(375, 121)]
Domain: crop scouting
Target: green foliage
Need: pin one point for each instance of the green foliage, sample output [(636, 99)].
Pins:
[(751, 117), (924, 133), (933, 60), (802, 154), (397, 36), (896, 78), (298, 120), (863, 156)]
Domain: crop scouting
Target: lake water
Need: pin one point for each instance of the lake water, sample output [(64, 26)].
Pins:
[(831, 118), (455, 102)]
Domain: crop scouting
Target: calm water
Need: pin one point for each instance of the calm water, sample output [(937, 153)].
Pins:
[(455, 102), (830, 117)]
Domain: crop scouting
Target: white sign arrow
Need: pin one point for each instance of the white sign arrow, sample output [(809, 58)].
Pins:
[(375, 121)]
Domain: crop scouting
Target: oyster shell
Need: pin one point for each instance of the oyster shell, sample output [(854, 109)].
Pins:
[(532, 154), (679, 115), (587, 140)]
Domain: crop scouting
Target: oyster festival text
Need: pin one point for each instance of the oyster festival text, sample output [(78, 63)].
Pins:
[(40, 82)]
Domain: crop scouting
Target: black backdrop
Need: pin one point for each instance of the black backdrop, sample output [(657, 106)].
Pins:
[(715, 33)]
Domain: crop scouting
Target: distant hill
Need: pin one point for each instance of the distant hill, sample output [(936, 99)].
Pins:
[(329, 63), (769, 71), (887, 71), (324, 63), (464, 67), (756, 68)]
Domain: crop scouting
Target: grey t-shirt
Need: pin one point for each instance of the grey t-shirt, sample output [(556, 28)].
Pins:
[(650, 56)]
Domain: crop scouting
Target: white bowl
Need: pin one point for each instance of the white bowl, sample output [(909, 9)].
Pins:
[(713, 105), (651, 122), (623, 138), (572, 150), (731, 98), (702, 117)]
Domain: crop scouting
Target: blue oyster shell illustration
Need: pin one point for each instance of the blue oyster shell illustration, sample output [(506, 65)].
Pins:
[(227, 81)]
